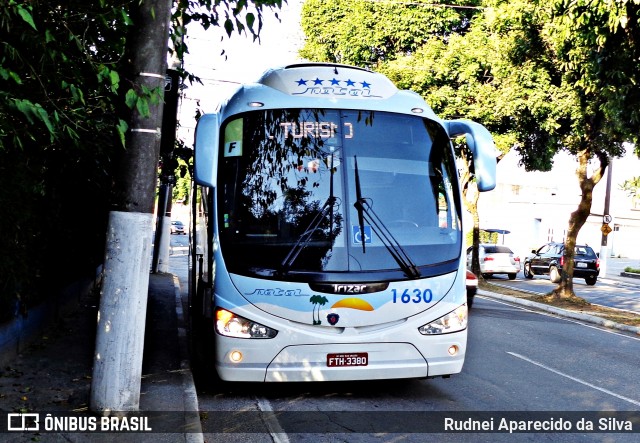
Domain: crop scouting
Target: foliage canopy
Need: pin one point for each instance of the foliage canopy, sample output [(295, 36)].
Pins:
[(542, 76), (66, 91)]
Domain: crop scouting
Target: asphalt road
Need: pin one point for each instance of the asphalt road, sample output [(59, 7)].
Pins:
[(605, 292), (517, 360)]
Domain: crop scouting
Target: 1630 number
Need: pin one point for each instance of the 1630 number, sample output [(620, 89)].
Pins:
[(412, 296)]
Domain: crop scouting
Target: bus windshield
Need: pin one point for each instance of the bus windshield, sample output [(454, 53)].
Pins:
[(288, 197)]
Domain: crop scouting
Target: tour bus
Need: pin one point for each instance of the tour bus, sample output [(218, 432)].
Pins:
[(327, 239)]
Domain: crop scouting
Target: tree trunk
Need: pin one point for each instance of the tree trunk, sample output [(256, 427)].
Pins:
[(470, 197), (578, 219), (471, 202)]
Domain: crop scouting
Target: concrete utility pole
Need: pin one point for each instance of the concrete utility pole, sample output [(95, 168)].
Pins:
[(167, 175), (117, 366), (606, 218)]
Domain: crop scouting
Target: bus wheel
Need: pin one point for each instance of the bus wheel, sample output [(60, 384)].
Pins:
[(203, 354), (202, 345)]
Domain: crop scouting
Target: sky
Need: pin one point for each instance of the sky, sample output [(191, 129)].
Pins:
[(243, 62)]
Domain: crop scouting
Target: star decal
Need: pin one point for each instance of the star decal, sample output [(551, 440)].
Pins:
[(333, 81)]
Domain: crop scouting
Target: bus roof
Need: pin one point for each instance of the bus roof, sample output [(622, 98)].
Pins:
[(324, 85)]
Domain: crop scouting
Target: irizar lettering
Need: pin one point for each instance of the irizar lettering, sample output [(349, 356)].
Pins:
[(349, 289)]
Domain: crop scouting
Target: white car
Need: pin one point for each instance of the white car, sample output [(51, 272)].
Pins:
[(496, 259), (177, 227)]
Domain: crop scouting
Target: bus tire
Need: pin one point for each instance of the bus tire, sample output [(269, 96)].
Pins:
[(202, 342)]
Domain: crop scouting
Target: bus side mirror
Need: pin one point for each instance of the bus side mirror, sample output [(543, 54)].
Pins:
[(482, 147), (206, 150)]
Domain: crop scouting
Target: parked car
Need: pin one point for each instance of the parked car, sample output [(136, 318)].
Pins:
[(496, 259), (472, 287), (177, 227), (549, 259)]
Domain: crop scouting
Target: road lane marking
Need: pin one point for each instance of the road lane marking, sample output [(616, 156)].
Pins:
[(555, 371), (273, 426), (560, 317)]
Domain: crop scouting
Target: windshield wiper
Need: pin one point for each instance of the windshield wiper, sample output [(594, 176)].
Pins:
[(359, 204), (366, 212), (305, 238)]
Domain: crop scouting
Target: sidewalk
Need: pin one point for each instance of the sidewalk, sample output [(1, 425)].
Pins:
[(615, 268), (54, 375)]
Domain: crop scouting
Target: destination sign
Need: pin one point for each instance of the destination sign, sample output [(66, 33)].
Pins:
[(322, 130)]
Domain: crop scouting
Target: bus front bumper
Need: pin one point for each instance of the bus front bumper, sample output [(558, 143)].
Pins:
[(310, 362)]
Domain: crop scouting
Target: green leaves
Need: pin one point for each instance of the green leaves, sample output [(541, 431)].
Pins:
[(34, 112), (59, 133), (131, 98), (7, 74), (110, 76), (65, 96), (121, 129), (25, 13), (365, 33), (142, 99)]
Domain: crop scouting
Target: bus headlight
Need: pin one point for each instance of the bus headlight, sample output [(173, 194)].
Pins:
[(454, 321), (232, 325)]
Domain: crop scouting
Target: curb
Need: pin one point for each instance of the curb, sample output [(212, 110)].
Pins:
[(193, 426), (616, 282), (561, 312), (630, 275)]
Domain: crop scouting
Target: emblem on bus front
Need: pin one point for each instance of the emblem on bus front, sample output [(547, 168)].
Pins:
[(333, 319)]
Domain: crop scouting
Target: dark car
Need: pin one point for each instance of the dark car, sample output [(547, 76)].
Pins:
[(548, 260)]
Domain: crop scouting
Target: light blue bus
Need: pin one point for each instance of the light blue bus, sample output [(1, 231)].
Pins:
[(327, 238)]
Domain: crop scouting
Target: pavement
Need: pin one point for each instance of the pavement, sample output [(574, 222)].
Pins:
[(54, 375)]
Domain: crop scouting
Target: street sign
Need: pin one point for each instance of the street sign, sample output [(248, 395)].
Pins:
[(606, 229)]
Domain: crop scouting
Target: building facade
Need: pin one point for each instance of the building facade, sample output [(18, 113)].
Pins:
[(535, 207)]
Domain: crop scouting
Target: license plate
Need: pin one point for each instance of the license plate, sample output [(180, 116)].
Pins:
[(351, 359), (581, 265)]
